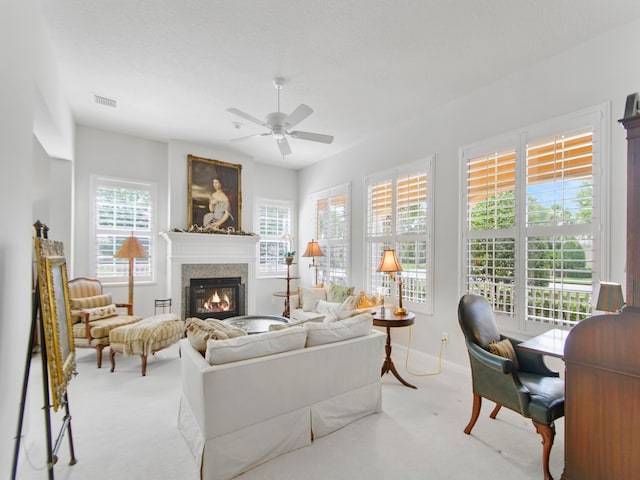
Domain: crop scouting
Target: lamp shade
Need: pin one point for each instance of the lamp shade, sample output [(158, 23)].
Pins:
[(313, 250), (389, 262), (610, 297), (131, 248)]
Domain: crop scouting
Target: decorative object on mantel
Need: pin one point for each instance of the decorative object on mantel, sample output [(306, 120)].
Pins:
[(391, 265), (214, 194), (218, 231)]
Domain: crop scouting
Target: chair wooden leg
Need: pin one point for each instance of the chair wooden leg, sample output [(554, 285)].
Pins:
[(494, 412), (112, 358), (143, 361), (548, 433), (475, 413), (99, 349)]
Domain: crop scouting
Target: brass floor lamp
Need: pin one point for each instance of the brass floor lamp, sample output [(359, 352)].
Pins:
[(131, 248)]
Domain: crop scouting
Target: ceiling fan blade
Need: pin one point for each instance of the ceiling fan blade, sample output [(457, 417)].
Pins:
[(246, 116), (240, 139), (314, 137), (283, 145), (299, 114)]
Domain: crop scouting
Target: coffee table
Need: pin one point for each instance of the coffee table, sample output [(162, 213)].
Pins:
[(256, 323)]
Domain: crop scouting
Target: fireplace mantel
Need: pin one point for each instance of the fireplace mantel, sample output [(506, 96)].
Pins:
[(206, 248)]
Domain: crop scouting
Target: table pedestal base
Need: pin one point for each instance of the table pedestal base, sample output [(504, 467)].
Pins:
[(388, 365)]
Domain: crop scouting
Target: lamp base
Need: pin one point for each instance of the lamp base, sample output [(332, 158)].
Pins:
[(400, 311)]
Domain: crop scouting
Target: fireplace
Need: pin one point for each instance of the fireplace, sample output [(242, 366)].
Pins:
[(217, 297)]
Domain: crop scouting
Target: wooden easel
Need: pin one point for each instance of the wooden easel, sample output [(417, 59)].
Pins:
[(52, 449)]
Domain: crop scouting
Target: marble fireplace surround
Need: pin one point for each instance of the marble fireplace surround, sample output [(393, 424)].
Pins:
[(203, 255)]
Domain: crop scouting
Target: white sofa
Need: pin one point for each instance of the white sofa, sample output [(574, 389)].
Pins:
[(237, 415)]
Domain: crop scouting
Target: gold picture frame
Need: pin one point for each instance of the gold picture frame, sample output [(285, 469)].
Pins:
[(208, 201), (55, 315)]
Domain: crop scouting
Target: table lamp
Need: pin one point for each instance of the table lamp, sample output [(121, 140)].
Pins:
[(610, 297), (390, 265), (131, 248), (313, 250)]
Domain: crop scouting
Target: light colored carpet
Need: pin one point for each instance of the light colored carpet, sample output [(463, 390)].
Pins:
[(124, 427)]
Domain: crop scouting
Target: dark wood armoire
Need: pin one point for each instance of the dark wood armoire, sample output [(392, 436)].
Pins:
[(602, 360)]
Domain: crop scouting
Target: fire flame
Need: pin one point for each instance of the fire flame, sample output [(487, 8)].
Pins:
[(215, 303)]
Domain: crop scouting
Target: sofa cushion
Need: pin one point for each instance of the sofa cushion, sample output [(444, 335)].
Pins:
[(258, 345), (91, 302), (310, 297), (299, 316), (321, 333)]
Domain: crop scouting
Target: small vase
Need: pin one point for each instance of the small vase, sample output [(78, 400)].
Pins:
[(289, 260)]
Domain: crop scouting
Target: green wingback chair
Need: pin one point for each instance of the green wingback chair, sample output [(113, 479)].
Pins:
[(523, 384)]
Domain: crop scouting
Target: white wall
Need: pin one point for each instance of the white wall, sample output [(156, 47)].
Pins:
[(24, 72), (599, 71), (99, 152)]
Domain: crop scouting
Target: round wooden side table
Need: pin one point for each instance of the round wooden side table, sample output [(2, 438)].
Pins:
[(389, 320)]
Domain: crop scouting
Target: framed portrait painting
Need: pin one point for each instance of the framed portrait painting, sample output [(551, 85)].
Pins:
[(55, 315), (214, 194)]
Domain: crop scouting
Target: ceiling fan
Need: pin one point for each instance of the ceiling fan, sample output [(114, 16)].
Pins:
[(280, 124)]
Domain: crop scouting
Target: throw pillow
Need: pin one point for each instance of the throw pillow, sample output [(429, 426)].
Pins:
[(101, 312), (231, 330), (258, 345), (368, 301), (504, 349), (349, 303), (321, 333), (339, 293), (310, 297), (90, 302), (198, 332)]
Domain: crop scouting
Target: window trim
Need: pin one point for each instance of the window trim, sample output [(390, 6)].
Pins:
[(393, 174), (597, 117), (282, 267), (95, 181)]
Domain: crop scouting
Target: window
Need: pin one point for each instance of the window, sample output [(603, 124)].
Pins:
[(122, 208), (400, 217), (275, 236), (532, 219), (332, 226)]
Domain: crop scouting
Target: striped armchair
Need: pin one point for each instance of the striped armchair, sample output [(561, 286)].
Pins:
[(94, 315)]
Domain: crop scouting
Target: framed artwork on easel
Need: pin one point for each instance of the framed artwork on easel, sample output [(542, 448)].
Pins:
[(55, 315)]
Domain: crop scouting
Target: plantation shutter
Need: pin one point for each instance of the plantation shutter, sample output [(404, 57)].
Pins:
[(491, 241), (122, 209), (275, 224), (560, 237), (333, 229), (399, 216)]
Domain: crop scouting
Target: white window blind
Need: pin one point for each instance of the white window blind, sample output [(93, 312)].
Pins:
[(333, 228), (399, 216), (532, 236), (275, 236), (122, 208)]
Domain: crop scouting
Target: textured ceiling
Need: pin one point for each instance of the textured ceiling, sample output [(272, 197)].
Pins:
[(175, 66)]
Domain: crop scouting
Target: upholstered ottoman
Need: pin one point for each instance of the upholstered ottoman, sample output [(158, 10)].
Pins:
[(145, 337)]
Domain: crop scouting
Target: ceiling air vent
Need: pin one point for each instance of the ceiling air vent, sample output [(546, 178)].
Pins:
[(106, 101)]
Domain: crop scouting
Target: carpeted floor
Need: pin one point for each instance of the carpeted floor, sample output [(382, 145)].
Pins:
[(124, 427)]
